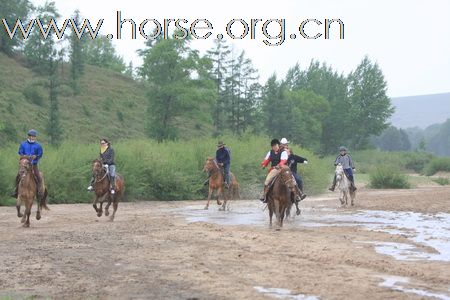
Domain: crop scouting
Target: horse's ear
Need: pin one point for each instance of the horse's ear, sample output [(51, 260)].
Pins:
[(209, 158)]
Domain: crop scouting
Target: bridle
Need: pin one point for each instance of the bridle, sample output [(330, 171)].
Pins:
[(104, 176)]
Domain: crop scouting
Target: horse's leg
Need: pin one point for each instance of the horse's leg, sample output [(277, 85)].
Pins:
[(352, 196), (100, 210), (18, 202), (225, 200), (115, 205), (27, 214), (110, 200), (270, 213), (219, 194), (38, 212), (277, 212), (209, 197)]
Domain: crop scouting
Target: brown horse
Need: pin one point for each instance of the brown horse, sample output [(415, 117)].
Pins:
[(27, 191), (102, 191), (279, 196), (216, 183)]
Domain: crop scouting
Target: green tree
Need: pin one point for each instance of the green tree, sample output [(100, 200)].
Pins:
[(76, 55), (219, 56), (101, 52), (53, 128), (178, 86), (40, 50), (11, 11), (393, 139), (369, 106)]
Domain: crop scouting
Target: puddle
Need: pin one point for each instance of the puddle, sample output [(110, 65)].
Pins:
[(401, 284), (283, 294), (429, 230)]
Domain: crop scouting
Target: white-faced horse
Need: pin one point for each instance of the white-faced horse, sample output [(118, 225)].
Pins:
[(344, 186)]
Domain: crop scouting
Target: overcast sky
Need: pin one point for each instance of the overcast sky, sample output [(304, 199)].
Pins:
[(410, 40)]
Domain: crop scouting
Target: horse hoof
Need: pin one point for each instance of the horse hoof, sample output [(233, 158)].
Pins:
[(99, 214), (219, 203), (107, 213), (221, 209), (26, 225), (111, 219), (38, 216), (206, 208), (298, 212), (19, 215)]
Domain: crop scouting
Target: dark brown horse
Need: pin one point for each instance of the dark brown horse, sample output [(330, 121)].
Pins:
[(102, 189), (216, 183), (279, 196), (27, 191)]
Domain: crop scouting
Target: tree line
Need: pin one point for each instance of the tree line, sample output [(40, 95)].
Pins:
[(316, 107)]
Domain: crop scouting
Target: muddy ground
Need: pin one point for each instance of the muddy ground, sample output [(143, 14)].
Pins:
[(162, 250)]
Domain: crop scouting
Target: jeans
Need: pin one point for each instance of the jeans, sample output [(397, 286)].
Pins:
[(299, 180), (226, 171)]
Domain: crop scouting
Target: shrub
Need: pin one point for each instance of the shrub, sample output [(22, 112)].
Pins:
[(387, 177), (33, 95), (442, 181), (436, 165)]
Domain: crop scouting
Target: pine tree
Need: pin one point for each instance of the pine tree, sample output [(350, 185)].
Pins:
[(76, 55)]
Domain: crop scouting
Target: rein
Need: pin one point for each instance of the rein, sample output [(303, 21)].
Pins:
[(104, 176)]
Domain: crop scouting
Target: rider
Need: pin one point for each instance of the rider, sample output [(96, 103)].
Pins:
[(347, 164), (32, 149), (223, 158), (278, 158), (292, 163), (107, 159)]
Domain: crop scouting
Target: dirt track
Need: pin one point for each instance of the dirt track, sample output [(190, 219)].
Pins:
[(151, 251)]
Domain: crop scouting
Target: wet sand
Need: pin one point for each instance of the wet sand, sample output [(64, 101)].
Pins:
[(391, 245)]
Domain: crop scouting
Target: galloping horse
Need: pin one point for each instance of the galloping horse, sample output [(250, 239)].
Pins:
[(279, 196), (102, 191), (216, 184), (27, 191), (344, 184)]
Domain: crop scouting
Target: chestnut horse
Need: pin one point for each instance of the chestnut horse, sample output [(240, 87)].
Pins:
[(216, 183), (102, 192), (279, 195), (27, 191)]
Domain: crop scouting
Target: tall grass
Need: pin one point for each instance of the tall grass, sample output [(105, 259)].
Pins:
[(438, 164), (388, 177), (152, 171)]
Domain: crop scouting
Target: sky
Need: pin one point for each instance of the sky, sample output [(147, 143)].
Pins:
[(409, 40)]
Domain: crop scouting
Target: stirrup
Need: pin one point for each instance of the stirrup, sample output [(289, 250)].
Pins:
[(112, 191)]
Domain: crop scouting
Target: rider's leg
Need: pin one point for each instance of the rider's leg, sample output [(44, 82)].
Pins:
[(226, 168), (91, 183), (349, 174), (37, 177), (270, 176), (112, 178), (15, 193), (334, 184), (298, 180)]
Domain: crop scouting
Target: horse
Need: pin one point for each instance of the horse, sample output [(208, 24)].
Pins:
[(279, 195), (216, 183), (344, 186), (27, 191), (102, 191)]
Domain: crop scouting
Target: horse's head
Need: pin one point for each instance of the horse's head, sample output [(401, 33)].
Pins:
[(24, 165), (339, 172), (210, 165), (97, 167), (287, 178)]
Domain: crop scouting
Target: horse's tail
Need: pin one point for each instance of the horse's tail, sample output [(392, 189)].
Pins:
[(43, 202)]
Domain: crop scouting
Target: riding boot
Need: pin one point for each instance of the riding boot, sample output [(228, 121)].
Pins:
[(15, 194), (263, 198), (299, 195), (113, 184), (333, 185), (206, 182), (352, 186), (90, 188)]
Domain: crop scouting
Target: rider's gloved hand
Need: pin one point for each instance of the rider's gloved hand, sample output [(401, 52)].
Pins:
[(105, 166), (305, 162)]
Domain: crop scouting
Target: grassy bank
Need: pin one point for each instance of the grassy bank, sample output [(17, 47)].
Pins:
[(152, 171)]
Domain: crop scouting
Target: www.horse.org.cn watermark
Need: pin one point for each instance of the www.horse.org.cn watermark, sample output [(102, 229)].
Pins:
[(272, 32)]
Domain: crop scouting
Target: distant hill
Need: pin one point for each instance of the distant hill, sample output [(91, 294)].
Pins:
[(421, 111), (109, 105)]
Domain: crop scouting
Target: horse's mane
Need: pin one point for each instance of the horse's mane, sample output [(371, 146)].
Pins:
[(24, 157)]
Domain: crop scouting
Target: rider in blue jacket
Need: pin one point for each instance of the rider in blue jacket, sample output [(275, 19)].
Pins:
[(31, 148)]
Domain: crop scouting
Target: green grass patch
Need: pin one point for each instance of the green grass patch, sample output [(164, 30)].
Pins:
[(387, 177), (441, 181), (438, 164)]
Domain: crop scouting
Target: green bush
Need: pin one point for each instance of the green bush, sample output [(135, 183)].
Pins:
[(387, 177), (442, 181), (34, 95), (152, 171), (438, 164)]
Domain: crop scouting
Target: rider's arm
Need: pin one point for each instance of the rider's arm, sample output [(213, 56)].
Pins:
[(351, 162), (21, 151), (284, 158), (266, 160), (39, 151)]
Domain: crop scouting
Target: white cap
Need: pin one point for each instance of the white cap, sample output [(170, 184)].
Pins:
[(284, 141)]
